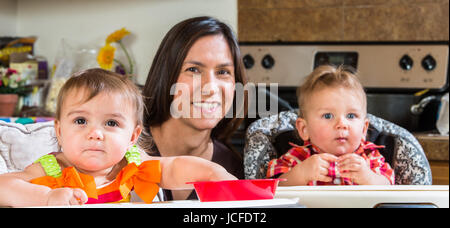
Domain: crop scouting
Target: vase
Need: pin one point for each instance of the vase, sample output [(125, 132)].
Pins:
[(8, 103)]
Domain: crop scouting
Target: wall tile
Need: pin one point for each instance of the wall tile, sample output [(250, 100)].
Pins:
[(395, 22), (343, 20), (277, 4), (291, 24)]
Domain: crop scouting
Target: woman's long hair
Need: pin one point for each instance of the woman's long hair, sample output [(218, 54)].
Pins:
[(166, 67)]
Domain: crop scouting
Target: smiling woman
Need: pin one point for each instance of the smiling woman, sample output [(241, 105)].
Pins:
[(189, 90), (208, 75)]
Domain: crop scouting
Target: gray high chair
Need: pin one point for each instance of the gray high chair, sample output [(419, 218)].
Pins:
[(269, 137)]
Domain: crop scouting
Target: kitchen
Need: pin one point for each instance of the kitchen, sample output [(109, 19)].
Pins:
[(85, 24)]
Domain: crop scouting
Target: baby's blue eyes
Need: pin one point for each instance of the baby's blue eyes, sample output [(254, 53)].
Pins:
[(329, 116), (351, 116)]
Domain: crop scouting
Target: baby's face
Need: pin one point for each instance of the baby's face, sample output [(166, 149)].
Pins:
[(95, 135), (335, 120)]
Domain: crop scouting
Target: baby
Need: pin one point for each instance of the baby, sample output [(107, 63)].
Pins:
[(332, 122), (98, 121)]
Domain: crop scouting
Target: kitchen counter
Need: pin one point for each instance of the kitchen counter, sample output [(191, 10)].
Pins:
[(436, 150), (434, 145)]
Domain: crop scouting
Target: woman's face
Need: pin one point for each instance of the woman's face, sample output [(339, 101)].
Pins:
[(204, 91)]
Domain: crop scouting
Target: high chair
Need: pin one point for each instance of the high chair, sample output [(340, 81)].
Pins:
[(268, 138)]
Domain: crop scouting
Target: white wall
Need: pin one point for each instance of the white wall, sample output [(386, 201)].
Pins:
[(88, 22), (8, 17)]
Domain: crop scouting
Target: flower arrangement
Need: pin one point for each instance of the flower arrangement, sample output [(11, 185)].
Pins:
[(11, 82), (106, 58)]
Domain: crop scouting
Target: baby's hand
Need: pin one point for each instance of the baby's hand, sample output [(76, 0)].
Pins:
[(355, 167), (66, 196), (315, 168)]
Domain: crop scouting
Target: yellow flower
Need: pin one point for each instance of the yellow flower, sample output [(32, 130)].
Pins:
[(117, 35), (105, 56)]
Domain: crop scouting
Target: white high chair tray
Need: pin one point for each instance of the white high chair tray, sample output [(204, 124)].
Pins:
[(366, 196), (275, 203)]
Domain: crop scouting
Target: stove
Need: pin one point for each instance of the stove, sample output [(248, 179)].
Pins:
[(391, 72)]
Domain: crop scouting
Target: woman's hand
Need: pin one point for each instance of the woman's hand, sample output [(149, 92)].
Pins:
[(66, 196), (218, 173), (176, 171)]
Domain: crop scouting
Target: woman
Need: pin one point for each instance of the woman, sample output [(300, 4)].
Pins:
[(190, 96)]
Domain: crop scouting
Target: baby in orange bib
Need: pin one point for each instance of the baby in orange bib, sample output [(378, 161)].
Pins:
[(98, 121)]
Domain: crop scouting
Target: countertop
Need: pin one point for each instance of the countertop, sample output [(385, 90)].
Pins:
[(434, 145)]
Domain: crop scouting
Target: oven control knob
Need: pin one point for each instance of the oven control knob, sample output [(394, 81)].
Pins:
[(248, 61), (268, 61), (406, 62), (428, 63)]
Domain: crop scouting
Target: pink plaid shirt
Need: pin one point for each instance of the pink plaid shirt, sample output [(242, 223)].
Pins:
[(298, 154)]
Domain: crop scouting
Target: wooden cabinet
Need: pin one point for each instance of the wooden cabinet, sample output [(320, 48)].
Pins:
[(440, 170)]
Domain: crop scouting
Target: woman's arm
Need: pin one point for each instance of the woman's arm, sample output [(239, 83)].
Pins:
[(17, 191), (176, 171)]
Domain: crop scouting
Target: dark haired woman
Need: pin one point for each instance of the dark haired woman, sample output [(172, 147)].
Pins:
[(190, 96)]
